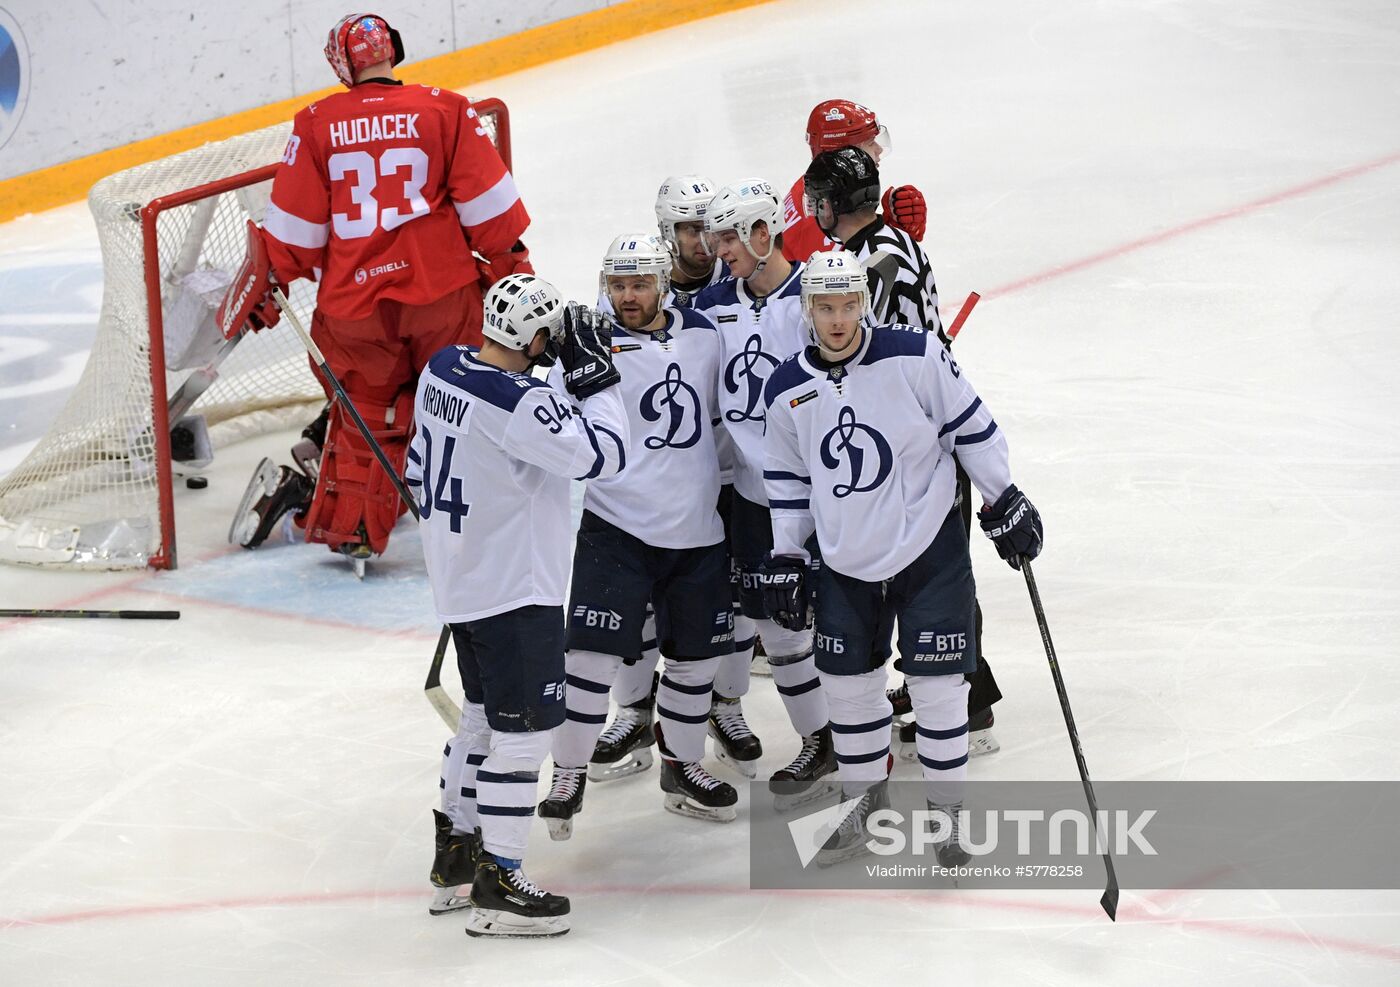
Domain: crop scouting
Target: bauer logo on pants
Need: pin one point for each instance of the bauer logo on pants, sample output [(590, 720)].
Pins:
[(14, 75)]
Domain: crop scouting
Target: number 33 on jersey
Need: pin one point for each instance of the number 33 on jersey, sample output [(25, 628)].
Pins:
[(386, 190)]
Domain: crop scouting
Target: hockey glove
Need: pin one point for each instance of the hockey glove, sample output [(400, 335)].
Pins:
[(248, 300), (784, 582), (585, 352), (1013, 525), (904, 207)]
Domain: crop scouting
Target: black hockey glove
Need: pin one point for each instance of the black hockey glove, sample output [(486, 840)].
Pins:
[(1013, 525), (585, 352), (784, 582)]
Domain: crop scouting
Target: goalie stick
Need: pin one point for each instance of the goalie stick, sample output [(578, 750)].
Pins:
[(450, 712), (1109, 901), (972, 299)]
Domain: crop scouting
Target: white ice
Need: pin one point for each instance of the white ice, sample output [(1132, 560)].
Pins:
[(1184, 220)]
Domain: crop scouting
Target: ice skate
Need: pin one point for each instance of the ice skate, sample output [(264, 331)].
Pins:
[(811, 775), (453, 865), (692, 791), (979, 737), (506, 903), (949, 849), (851, 836), (357, 552), (735, 743), (272, 492), (564, 801), (624, 748)]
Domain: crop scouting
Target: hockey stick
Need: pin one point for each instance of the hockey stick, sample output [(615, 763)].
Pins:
[(121, 614), (450, 712), (972, 299), (1109, 901)]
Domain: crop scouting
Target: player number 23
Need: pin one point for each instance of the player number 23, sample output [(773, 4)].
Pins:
[(363, 171)]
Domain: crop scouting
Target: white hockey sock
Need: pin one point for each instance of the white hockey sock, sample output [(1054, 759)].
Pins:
[(794, 671), (590, 676), (460, 760), (860, 727), (732, 679), (683, 705), (940, 711), (506, 787), (634, 681)]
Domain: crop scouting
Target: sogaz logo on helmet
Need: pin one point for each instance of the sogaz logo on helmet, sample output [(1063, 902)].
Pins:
[(14, 75)]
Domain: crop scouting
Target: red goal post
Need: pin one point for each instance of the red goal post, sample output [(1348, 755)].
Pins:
[(97, 491)]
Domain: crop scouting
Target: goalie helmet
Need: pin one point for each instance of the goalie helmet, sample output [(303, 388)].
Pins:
[(740, 206), (517, 307), (637, 253), (847, 178), (358, 41), (681, 199), (833, 272), (837, 123)]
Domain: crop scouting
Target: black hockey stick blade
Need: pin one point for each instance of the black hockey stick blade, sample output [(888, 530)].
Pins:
[(117, 614), (1109, 901), (450, 712)]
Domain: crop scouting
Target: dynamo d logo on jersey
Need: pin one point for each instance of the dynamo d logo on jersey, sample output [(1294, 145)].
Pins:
[(749, 368), (856, 445), (676, 401), (14, 75)]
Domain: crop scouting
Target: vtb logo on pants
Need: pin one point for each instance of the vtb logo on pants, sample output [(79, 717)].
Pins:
[(607, 620)]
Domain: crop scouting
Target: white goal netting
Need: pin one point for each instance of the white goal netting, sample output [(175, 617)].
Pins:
[(96, 491)]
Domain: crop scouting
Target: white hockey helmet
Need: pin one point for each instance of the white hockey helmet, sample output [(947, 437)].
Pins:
[(681, 199), (637, 253), (518, 306), (833, 272), (742, 204)]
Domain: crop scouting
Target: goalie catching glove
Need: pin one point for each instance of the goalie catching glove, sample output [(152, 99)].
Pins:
[(1013, 525), (785, 596), (904, 207), (248, 300), (585, 352)]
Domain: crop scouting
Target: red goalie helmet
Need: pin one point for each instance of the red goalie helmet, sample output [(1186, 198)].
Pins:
[(359, 41), (836, 123)]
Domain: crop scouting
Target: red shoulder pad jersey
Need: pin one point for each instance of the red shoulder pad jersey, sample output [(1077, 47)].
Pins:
[(802, 237), (375, 192)]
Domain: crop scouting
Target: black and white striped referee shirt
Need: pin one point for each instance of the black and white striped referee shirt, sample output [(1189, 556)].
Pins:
[(902, 289)]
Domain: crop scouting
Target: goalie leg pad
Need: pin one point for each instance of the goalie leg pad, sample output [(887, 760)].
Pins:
[(355, 502)]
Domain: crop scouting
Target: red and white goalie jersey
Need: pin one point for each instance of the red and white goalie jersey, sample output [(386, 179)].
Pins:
[(802, 237), (376, 190)]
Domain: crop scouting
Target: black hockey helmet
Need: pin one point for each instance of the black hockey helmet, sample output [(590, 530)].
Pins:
[(847, 178)]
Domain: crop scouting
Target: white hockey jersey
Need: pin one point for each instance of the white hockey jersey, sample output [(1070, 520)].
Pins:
[(490, 462), (863, 451), (755, 336), (667, 495)]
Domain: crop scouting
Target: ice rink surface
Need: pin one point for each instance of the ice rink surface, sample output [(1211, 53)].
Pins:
[(1184, 219)]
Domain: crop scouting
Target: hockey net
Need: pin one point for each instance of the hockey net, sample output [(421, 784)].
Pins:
[(97, 491)]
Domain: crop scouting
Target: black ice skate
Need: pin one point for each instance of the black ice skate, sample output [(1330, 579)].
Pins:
[(506, 903), (979, 737), (272, 492), (453, 866), (692, 791), (810, 776), (624, 748), (949, 849), (564, 801), (735, 743), (759, 664), (307, 451), (851, 837), (358, 552)]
